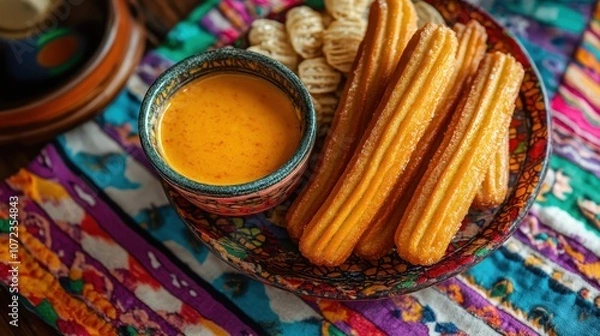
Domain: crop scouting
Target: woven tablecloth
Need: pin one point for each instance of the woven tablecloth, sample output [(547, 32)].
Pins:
[(101, 252)]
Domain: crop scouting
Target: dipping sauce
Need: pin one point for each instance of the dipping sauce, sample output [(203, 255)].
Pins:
[(228, 128)]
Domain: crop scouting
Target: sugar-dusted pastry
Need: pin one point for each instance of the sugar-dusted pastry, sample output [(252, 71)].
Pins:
[(341, 41), (305, 30), (494, 188), (446, 191), (378, 239), (318, 75), (391, 25), (413, 94)]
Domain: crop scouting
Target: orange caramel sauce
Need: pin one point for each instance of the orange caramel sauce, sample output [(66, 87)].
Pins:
[(228, 128)]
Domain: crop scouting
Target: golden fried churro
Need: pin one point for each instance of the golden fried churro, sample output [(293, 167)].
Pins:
[(413, 94), (378, 239), (391, 25), (446, 191), (494, 188)]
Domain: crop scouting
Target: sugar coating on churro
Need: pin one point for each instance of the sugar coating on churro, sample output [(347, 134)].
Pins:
[(494, 188), (391, 24), (445, 192), (378, 239), (412, 96)]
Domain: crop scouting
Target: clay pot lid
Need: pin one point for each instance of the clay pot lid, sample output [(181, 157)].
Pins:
[(87, 92), (19, 18)]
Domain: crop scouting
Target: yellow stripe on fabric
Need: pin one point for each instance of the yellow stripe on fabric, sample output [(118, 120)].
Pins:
[(584, 84), (36, 283), (46, 190), (51, 261)]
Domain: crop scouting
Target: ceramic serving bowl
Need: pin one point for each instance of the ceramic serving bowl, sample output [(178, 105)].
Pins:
[(240, 199), (259, 246)]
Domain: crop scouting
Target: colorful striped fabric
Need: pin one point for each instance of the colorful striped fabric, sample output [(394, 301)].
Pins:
[(101, 252)]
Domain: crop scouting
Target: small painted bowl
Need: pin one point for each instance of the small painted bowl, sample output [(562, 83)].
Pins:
[(240, 199)]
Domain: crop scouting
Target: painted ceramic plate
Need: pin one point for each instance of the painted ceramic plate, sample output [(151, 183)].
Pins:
[(259, 246)]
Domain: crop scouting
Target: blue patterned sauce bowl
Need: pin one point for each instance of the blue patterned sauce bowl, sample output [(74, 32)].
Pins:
[(239, 199)]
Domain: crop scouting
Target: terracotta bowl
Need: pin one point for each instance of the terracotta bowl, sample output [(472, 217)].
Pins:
[(259, 246), (46, 109)]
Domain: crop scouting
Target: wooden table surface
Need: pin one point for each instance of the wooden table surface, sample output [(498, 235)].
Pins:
[(160, 16)]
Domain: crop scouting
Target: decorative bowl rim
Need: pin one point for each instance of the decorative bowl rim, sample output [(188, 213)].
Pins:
[(149, 108)]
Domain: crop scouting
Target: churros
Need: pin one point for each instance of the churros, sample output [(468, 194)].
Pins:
[(378, 239), (446, 191), (391, 25), (494, 188), (408, 104)]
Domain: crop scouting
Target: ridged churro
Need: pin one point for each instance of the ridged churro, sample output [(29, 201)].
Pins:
[(391, 25), (407, 107), (446, 191), (378, 239), (494, 188)]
